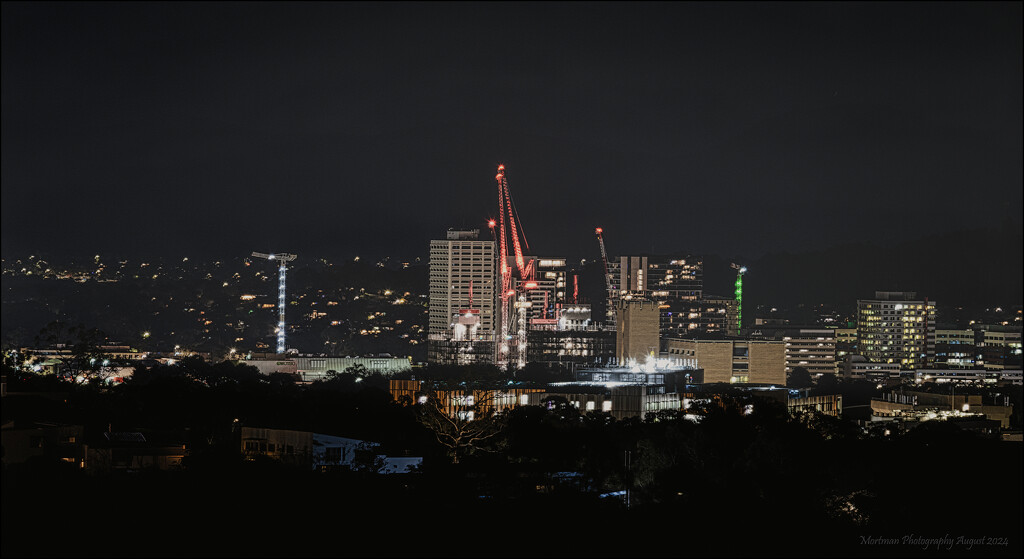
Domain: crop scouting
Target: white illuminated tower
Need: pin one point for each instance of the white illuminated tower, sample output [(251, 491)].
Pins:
[(284, 259)]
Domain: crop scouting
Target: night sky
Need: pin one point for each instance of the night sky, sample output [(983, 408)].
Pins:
[(344, 129)]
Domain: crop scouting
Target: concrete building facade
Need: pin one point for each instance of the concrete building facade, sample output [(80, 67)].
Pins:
[(638, 330), (734, 361)]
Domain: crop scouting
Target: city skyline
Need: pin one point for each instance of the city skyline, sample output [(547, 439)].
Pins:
[(365, 128), (736, 279)]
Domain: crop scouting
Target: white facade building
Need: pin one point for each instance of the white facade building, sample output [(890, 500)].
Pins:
[(462, 298), (814, 350)]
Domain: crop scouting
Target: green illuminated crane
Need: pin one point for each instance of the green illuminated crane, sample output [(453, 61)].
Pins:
[(740, 270)]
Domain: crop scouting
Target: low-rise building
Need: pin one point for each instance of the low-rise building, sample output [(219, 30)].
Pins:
[(461, 403), (827, 404), (321, 452), (128, 451), (954, 348), (622, 402), (271, 366), (925, 406), (968, 376), (43, 441), (811, 349), (999, 347), (857, 367), (733, 360), (312, 368)]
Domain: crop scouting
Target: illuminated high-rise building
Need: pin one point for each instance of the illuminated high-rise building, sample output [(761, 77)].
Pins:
[(659, 277), (896, 327), (462, 299), (550, 293), (676, 284)]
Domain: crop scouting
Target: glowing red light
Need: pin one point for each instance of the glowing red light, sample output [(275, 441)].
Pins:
[(530, 285), (599, 230), (498, 176), (501, 167), (491, 223), (511, 292)]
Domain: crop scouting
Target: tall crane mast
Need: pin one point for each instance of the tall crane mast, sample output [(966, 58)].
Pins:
[(740, 270), (513, 300), (610, 311), (515, 229), (282, 270)]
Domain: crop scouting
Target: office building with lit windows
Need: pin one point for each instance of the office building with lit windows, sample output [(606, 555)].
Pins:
[(897, 327), (655, 277), (551, 291), (812, 349), (676, 285), (846, 343), (571, 340), (998, 346), (462, 299), (716, 315), (954, 349)]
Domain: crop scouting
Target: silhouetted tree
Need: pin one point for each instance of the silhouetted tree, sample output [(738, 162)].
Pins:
[(466, 429), (828, 382), (800, 377)]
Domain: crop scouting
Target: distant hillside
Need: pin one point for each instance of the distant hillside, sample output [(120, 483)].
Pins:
[(978, 267)]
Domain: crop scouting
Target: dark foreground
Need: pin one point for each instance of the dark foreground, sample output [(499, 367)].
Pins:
[(257, 510)]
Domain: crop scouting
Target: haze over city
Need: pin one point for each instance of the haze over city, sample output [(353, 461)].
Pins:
[(402, 279)]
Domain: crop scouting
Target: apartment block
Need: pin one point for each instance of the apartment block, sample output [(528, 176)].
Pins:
[(897, 327)]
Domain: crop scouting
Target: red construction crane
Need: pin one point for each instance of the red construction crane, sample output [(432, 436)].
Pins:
[(525, 272), (604, 261), (506, 210), (610, 311)]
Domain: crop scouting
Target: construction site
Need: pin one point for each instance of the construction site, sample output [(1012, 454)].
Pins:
[(495, 300)]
